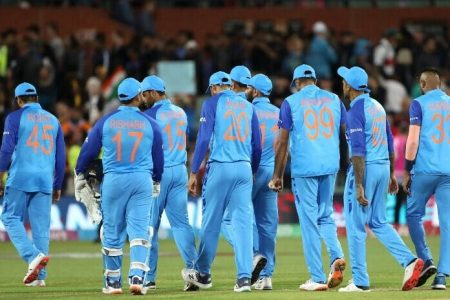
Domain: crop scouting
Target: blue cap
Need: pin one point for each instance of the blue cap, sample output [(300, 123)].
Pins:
[(261, 83), (356, 77), (25, 89), (303, 71), (240, 73), (128, 89), (153, 83), (219, 78)]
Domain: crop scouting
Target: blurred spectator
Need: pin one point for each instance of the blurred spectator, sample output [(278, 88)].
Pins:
[(376, 90), (55, 42), (47, 85), (294, 56), (396, 94), (428, 55), (94, 105), (399, 167), (321, 55), (384, 53)]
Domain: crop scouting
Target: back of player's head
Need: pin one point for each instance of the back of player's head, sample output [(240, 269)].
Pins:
[(26, 91), (219, 78), (303, 72), (355, 77), (239, 74), (153, 83), (128, 89), (261, 83)]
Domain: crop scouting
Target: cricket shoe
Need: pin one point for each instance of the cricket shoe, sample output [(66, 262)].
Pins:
[(352, 288), (243, 285), (336, 273), (36, 283), (35, 267), (194, 277), (149, 286), (310, 285), (189, 287), (112, 287), (263, 284), (259, 262), (439, 282), (429, 269), (412, 274), (137, 286)]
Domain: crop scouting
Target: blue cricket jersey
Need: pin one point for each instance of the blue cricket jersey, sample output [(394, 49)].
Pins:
[(431, 112), (368, 131), (131, 142), (33, 143), (230, 127), (313, 116), (268, 123), (173, 122)]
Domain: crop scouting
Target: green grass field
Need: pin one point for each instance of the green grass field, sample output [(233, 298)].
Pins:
[(80, 277)]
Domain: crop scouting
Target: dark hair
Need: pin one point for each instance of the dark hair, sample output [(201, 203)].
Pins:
[(29, 98), (127, 101), (430, 70)]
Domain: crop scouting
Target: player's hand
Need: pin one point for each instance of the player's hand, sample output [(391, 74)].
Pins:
[(79, 183), (360, 196), (276, 184), (56, 196), (156, 189), (193, 185), (407, 183), (393, 185)]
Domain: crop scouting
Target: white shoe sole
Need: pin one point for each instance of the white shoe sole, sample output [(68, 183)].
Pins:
[(242, 289)]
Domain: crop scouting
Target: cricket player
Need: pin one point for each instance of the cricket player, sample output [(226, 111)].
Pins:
[(264, 199), (240, 75), (132, 156), (369, 178), (310, 121), (33, 153), (173, 197), (427, 150), (230, 127)]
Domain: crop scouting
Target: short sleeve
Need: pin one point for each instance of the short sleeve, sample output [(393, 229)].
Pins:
[(285, 120)]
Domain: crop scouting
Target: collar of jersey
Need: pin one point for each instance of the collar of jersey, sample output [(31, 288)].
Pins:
[(228, 91), (261, 100), (123, 107), (438, 90), (309, 86), (33, 104), (162, 102), (360, 97)]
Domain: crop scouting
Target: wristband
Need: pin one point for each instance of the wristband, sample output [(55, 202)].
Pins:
[(409, 164)]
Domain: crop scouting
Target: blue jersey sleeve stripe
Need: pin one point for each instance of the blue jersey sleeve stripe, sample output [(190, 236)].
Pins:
[(205, 131), (60, 162), (415, 113), (10, 137), (256, 142), (356, 122), (157, 151), (285, 121), (343, 114), (390, 137), (153, 111)]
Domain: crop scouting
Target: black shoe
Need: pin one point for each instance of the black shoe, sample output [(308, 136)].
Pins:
[(242, 285), (189, 287), (151, 285), (429, 269), (259, 262)]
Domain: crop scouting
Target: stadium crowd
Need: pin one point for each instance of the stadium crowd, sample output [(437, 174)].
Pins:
[(72, 73)]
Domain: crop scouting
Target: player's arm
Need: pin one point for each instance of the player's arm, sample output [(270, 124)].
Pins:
[(281, 151), (205, 131), (60, 164), (91, 148), (256, 142), (412, 142), (393, 185), (157, 152), (356, 124), (9, 142), (343, 121)]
